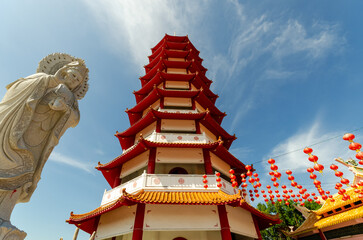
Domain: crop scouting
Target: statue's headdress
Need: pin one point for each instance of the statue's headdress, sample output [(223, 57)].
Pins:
[(53, 62)]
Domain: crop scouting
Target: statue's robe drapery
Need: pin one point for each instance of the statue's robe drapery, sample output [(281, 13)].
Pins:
[(19, 165)]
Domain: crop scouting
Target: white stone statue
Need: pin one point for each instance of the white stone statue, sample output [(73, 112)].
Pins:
[(34, 114)]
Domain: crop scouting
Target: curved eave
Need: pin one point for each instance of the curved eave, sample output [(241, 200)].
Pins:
[(127, 137), (136, 112), (169, 38), (162, 77), (88, 221), (144, 145), (171, 45), (227, 157), (170, 53)]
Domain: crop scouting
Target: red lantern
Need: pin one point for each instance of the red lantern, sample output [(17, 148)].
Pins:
[(219, 185), (313, 158), (310, 170), (338, 174), (205, 186), (248, 167), (276, 184), (308, 150), (288, 172), (359, 155), (205, 181), (345, 181), (348, 137), (355, 146), (231, 171), (333, 167), (274, 167), (255, 174), (218, 174), (312, 176), (271, 161)]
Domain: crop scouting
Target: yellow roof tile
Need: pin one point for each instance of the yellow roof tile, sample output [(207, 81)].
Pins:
[(183, 197), (329, 205), (341, 217)]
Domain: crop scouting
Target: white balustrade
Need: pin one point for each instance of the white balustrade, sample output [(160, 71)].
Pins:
[(178, 138), (168, 182)]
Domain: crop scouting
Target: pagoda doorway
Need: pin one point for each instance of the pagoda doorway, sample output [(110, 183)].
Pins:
[(178, 170)]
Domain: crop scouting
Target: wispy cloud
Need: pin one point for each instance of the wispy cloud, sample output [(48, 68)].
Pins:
[(262, 49), (132, 27), (60, 158)]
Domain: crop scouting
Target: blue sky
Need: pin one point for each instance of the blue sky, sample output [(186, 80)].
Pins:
[(288, 73)]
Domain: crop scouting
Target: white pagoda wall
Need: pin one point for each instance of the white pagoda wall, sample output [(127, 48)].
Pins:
[(177, 84), (219, 164), (241, 222), (146, 131), (178, 125), (181, 217), (189, 235), (177, 102), (179, 155), (211, 137), (135, 164), (117, 222), (154, 106)]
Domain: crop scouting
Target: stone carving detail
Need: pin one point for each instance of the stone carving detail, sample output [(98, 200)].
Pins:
[(34, 114)]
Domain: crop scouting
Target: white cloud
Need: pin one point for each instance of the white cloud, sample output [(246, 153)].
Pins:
[(134, 26), (60, 158)]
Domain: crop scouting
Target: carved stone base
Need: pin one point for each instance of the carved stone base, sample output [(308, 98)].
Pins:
[(10, 232)]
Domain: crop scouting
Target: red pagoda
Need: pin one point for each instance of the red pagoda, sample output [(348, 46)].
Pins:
[(164, 184)]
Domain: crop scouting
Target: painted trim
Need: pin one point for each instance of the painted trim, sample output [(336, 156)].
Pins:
[(139, 222), (223, 219)]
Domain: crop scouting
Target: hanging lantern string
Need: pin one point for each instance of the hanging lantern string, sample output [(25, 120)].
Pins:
[(299, 149)]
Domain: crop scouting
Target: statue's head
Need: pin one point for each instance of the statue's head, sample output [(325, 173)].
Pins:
[(69, 70)]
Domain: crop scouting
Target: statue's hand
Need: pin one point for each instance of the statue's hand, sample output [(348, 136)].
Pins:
[(58, 104)]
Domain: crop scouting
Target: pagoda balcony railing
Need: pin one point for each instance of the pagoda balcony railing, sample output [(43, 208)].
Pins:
[(168, 182), (179, 137)]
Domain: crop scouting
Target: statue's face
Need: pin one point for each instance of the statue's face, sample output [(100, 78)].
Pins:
[(71, 76)]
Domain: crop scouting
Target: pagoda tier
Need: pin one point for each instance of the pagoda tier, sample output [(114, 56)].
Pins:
[(195, 120), (177, 99), (164, 185), (187, 56), (88, 221), (170, 80), (212, 154)]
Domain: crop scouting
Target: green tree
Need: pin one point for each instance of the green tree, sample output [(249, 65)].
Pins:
[(288, 215)]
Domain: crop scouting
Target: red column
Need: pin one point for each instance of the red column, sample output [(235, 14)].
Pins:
[(158, 126), (255, 222), (197, 127), (151, 163), (322, 235), (225, 232), (139, 222), (207, 162)]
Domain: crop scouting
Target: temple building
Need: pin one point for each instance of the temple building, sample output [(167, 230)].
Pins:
[(164, 184), (337, 218)]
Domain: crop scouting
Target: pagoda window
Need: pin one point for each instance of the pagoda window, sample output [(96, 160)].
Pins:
[(167, 168), (338, 209), (178, 170), (178, 85), (347, 206), (174, 102), (358, 203), (176, 125), (154, 106), (176, 70)]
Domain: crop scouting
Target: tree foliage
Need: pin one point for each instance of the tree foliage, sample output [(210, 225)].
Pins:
[(289, 216)]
